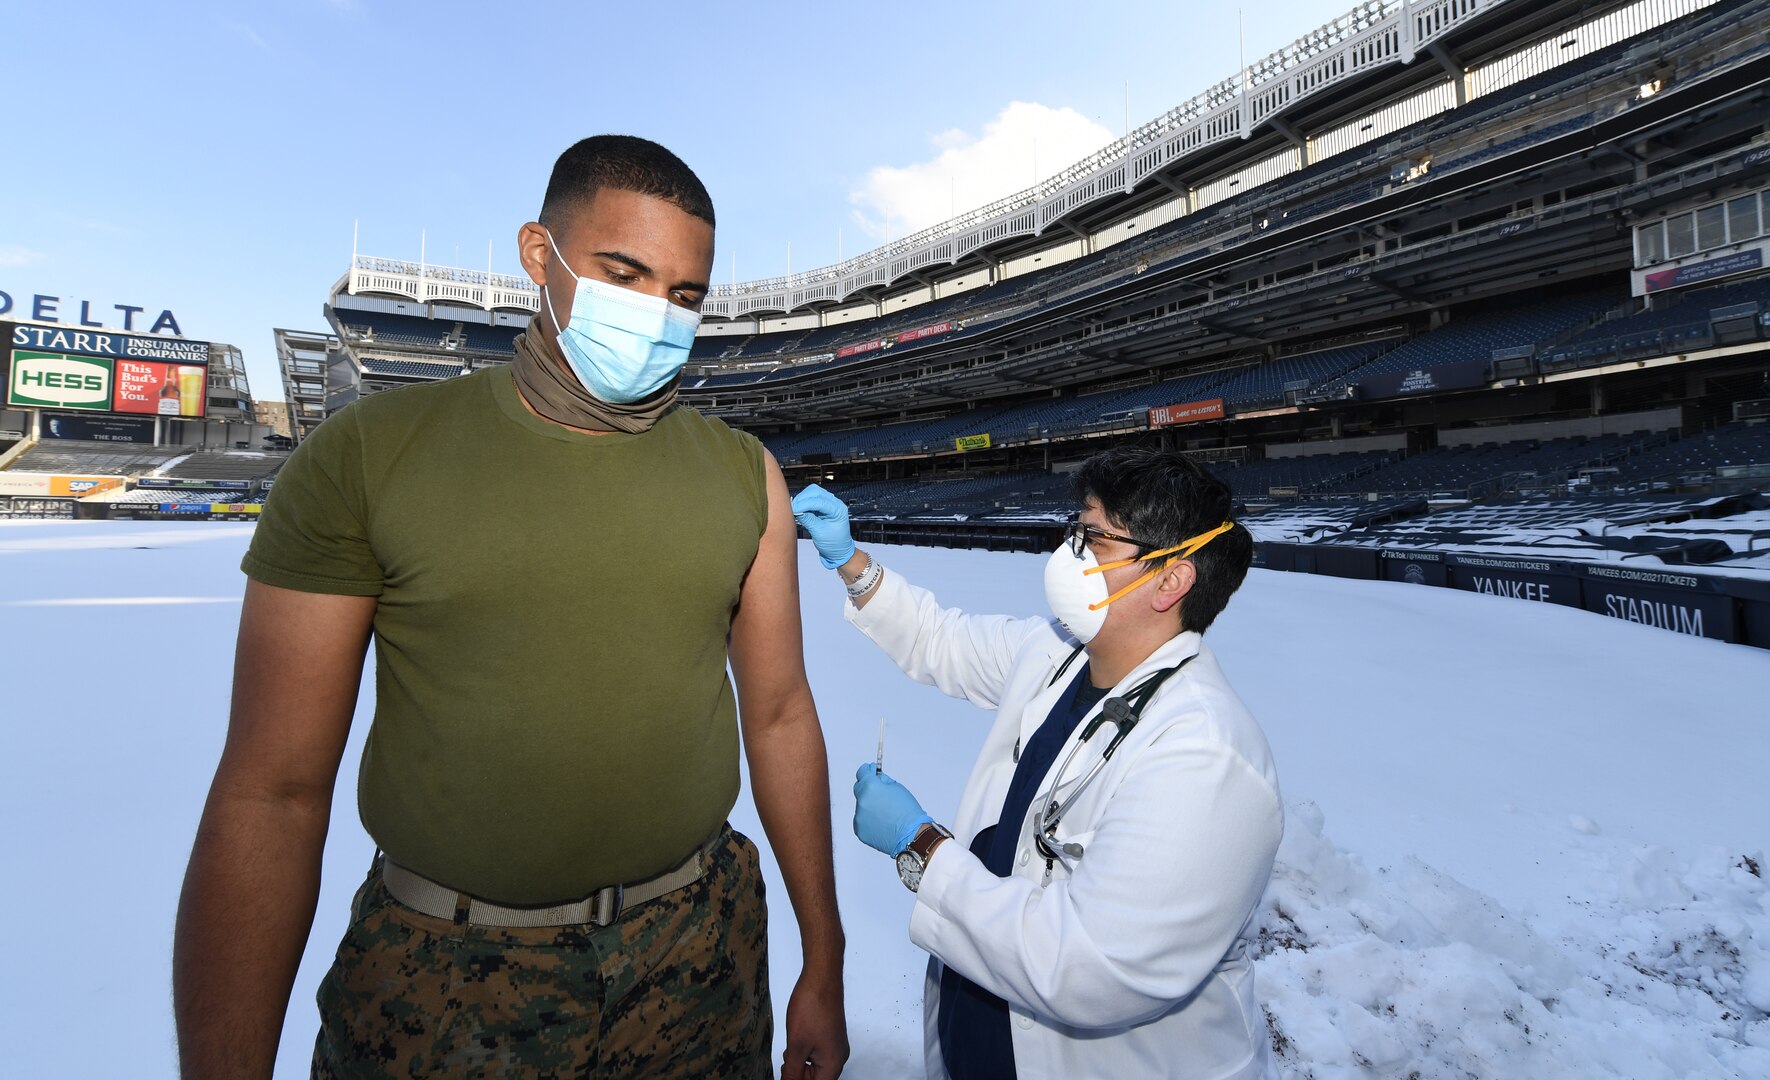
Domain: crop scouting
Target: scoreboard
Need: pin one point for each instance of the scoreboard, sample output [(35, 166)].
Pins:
[(100, 371)]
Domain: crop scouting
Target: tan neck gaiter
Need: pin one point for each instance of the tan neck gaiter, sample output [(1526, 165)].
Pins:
[(556, 394)]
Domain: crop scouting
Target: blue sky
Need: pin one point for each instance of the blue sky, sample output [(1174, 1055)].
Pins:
[(211, 158)]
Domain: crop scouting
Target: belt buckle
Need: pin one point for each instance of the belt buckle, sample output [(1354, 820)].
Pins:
[(608, 905)]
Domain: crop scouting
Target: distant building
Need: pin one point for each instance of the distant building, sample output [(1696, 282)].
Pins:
[(303, 357), (275, 415)]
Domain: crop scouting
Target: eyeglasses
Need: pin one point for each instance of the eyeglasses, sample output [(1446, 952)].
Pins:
[(1077, 533)]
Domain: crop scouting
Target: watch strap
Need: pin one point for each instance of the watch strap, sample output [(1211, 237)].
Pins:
[(926, 839)]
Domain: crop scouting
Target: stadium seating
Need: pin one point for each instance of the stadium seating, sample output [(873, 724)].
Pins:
[(1477, 333), (389, 328), (996, 495), (1679, 321), (1297, 476), (1484, 129), (1266, 384), (1741, 450), (227, 465), (1459, 471), (411, 369), (94, 458), (492, 339)]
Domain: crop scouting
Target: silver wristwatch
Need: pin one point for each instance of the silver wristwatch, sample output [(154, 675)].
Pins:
[(913, 860)]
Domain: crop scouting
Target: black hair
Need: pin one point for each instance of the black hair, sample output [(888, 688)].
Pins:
[(1162, 498), (625, 163)]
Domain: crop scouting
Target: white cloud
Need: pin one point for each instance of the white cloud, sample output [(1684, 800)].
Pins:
[(13, 255), (969, 170)]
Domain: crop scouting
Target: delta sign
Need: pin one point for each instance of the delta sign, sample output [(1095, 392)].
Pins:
[(42, 307)]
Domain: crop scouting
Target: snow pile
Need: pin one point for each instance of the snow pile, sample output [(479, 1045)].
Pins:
[(1412, 973)]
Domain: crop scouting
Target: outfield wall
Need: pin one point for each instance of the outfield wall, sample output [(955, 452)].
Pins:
[(1723, 608)]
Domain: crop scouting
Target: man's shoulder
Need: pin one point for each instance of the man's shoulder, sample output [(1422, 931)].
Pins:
[(718, 439), (695, 420), (1205, 707), (421, 399)]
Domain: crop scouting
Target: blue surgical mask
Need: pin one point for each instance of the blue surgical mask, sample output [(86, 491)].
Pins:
[(622, 345)]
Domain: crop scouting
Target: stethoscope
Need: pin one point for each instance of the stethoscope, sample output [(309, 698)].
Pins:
[(1121, 711)]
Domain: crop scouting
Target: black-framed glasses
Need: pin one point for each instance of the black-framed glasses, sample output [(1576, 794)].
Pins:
[(1076, 534)]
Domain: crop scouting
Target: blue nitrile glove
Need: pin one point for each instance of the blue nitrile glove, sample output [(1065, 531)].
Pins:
[(886, 816), (825, 517)]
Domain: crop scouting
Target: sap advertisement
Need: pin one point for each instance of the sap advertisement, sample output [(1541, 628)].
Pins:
[(55, 368)]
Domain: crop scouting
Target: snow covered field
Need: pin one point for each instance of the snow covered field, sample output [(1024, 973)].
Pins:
[(1523, 840)]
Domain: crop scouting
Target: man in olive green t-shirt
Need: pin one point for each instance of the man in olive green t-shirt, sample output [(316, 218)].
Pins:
[(555, 562)]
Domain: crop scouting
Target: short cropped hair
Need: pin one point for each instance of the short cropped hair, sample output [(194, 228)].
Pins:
[(625, 163), (1164, 498)]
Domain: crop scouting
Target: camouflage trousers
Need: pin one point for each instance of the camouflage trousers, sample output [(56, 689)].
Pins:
[(675, 987)]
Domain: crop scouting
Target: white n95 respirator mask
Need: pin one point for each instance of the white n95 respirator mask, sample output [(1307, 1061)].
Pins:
[(1077, 598), (622, 345)]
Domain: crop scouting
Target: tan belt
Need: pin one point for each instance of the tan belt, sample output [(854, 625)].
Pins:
[(600, 908)]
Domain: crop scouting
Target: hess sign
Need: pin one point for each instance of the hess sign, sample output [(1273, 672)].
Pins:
[(56, 381)]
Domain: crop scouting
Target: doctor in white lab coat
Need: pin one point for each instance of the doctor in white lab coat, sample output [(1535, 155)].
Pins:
[(1110, 938)]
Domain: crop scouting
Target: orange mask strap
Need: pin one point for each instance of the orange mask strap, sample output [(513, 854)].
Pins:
[(1181, 550)]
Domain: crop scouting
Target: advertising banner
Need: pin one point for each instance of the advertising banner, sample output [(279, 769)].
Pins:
[(1684, 603), (99, 429), (104, 343), (66, 381), (145, 386), (1164, 415), (21, 506), (972, 442), (1415, 567), (924, 332), (51, 484), (1457, 376), (864, 347), (235, 511), (174, 511), (182, 484), (1521, 579), (52, 380), (1737, 262)]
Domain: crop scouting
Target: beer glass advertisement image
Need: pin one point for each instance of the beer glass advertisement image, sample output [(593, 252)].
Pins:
[(145, 386)]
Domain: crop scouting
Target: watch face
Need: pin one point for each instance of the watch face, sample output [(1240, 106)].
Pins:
[(909, 868)]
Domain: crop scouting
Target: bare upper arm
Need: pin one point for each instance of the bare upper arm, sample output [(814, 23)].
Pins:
[(767, 652), (297, 666)]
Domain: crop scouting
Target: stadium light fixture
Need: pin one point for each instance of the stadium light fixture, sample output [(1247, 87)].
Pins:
[(1647, 90)]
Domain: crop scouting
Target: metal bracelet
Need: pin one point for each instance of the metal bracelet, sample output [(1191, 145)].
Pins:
[(868, 578)]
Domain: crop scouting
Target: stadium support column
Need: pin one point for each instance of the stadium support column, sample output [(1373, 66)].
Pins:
[(1305, 152), (1453, 67)]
